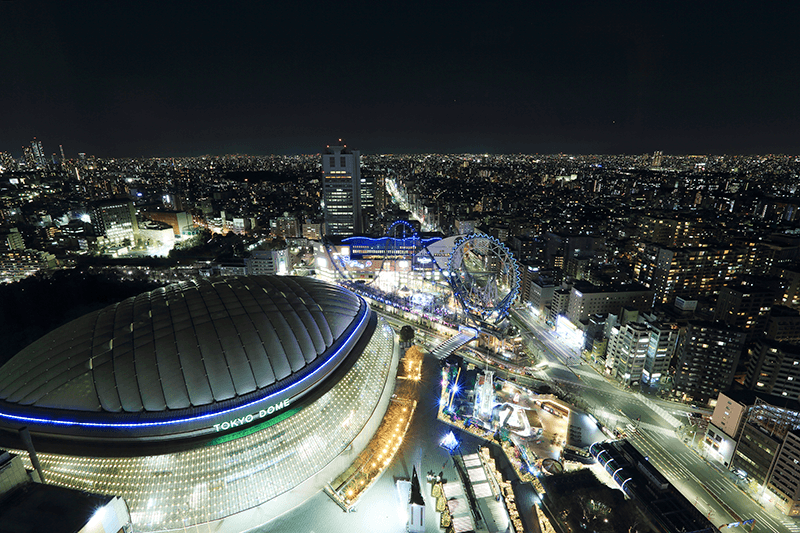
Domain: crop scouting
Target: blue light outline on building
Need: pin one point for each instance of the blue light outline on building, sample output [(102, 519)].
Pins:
[(359, 239), (365, 313)]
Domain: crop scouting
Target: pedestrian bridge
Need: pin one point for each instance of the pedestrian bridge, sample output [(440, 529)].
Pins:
[(465, 335)]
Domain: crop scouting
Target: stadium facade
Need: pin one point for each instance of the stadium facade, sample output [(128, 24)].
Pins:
[(202, 401)]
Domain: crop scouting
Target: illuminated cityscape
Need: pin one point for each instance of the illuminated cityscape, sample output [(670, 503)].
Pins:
[(608, 301), (399, 268)]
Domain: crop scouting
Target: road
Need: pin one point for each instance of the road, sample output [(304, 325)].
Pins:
[(712, 491)]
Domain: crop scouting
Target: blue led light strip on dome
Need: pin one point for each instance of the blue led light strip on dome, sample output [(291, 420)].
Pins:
[(361, 321)]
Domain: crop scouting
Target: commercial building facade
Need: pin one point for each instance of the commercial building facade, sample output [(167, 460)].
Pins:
[(757, 436), (115, 220), (586, 299), (746, 305), (785, 480), (774, 368), (640, 351), (341, 190)]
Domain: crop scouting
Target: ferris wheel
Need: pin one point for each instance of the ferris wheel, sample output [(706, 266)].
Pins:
[(484, 276)]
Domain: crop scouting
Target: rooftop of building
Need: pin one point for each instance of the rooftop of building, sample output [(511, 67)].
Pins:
[(589, 288), (185, 348), (147, 224), (748, 397)]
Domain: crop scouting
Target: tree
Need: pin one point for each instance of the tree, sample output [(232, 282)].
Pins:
[(406, 334)]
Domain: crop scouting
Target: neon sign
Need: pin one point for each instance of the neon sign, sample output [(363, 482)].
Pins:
[(243, 420)]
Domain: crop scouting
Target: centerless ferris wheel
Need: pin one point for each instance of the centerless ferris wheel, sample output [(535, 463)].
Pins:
[(484, 276)]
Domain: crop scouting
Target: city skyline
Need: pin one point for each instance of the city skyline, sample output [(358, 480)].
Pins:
[(262, 265), (579, 78), (639, 289)]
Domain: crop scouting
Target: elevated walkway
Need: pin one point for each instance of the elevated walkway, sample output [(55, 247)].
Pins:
[(451, 345)]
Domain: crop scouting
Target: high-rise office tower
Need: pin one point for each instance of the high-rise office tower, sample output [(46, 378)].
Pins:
[(37, 151), (27, 157), (61, 148), (341, 190), (658, 155)]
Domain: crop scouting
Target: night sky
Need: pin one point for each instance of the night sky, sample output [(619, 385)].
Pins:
[(154, 79)]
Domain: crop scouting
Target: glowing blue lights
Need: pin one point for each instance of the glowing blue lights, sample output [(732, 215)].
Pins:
[(449, 442), (298, 386), (484, 275)]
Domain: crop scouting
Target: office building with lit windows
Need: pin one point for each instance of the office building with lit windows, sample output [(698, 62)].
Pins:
[(757, 436), (640, 350), (212, 401), (115, 220), (746, 305), (707, 360), (37, 153), (774, 368), (341, 190)]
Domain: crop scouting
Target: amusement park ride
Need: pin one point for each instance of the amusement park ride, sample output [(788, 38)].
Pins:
[(472, 277)]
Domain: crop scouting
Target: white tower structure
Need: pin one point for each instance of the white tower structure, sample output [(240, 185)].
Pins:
[(416, 506), (486, 395)]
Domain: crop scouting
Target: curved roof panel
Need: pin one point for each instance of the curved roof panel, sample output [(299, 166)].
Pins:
[(184, 346)]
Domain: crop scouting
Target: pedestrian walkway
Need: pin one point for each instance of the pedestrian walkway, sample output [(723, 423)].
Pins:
[(668, 418), (451, 345), (379, 452)]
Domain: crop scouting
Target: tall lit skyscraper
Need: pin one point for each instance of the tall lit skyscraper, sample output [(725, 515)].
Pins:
[(657, 157), (341, 190), (38, 153)]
